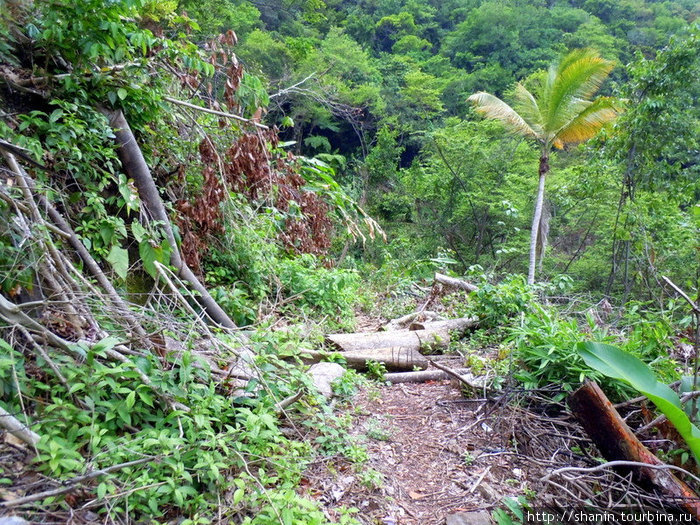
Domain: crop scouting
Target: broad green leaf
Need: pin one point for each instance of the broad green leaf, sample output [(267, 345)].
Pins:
[(139, 231), (124, 413), (617, 364), (119, 259), (148, 256), (105, 344), (131, 399), (238, 496)]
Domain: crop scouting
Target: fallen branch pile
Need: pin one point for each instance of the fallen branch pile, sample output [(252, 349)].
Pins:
[(66, 312)]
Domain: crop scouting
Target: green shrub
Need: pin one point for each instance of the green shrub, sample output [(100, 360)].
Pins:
[(496, 304), (545, 349), (218, 447), (312, 287), (545, 346)]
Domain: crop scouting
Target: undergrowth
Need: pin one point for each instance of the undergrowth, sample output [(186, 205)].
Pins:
[(224, 458), (536, 342)]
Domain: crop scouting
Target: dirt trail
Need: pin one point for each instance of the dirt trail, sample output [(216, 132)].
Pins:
[(435, 457)]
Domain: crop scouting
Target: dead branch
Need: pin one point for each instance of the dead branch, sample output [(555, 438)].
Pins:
[(458, 325), (695, 307), (15, 427), (94, 269), (404, 321), (291, 88), (616, 442), (72, 484), (215, 112), (394, 358), (619, 463), (466, 379), (458, 284), (422, 376), (280, 406)]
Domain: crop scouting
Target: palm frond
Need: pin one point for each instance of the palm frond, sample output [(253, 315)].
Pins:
[(528, 108), (579, 75), (494, 108), (589, 121)]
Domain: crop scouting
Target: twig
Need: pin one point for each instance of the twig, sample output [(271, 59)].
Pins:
[(24, 209), (161, 271), (291, 88), (96, 502), (71, 483), (45, 357), (454, 374), (280, 406), (481, 478), (693, 304), (214, 112), (685, 397), (618, 463)]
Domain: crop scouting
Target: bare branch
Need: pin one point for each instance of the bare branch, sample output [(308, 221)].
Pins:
[(215, 112)]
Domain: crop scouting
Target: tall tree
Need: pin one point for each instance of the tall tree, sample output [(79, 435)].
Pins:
[(559, 112)]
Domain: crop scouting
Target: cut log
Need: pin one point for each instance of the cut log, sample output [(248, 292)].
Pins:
[(423, 376), (403, 321), (616, 441), (399, 339), (17, 428), (458, 325), (392, 358), (434, 335), (457, 284)]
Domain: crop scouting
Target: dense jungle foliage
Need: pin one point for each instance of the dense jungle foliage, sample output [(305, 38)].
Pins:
[(314, 160)]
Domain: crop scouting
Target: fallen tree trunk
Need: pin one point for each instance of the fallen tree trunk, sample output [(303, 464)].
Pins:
[(458, 325), (17, 428), (392, 358), (405, 340), (402, 322), (433, 335), (422, 376), (616, 441), (458, 284), (136, 167)]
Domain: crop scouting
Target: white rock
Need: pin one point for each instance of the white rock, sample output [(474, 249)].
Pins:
[(480, 517), (323, 374), (13, 520)]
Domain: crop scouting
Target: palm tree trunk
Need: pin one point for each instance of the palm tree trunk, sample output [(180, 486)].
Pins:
[(544, 168)]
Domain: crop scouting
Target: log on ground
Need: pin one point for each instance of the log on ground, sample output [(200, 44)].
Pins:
[(457, 284), (460, 325), (392, 358), (616, 441), (428, 375), (432, 336)]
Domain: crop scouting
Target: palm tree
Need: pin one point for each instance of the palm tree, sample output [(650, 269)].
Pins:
[(558, 113)]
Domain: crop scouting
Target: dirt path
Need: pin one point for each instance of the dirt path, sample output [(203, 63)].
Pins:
[(429, 457)]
